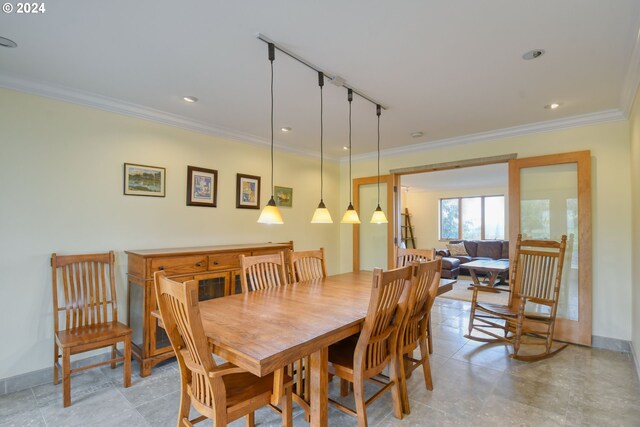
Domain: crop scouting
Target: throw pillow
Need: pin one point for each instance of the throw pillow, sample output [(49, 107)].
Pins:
[(457, 249)]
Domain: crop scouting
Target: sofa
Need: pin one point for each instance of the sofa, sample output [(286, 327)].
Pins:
[(453, 265)]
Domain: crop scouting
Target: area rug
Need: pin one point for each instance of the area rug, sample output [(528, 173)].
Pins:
[(461, 293)]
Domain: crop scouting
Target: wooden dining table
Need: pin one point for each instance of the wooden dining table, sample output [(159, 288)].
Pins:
[(265, 330)]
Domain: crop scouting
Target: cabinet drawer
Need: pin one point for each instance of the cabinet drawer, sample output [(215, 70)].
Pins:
[(180, 265), (224, 261)]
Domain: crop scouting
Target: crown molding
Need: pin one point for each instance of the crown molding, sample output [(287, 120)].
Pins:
[(632, 79), (546, 126), (112, 105)]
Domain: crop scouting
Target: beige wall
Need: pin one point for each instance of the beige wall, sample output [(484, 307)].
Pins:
[(635, 232), (609, 145), (61, 173)]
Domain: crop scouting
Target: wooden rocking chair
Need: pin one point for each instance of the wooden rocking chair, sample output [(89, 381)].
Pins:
[(535, 278)]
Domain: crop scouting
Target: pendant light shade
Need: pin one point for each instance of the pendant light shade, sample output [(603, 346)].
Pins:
[(270, 213), (378, 216), (350, 216), (321, 214)]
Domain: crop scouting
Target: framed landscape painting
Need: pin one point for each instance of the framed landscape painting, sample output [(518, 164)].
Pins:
[(283, 196), (247, 191), (142, 180), (202, 187)]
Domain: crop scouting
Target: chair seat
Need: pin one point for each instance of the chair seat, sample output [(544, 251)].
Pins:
[(91, 334), (341, 353), (506, 311), (244, 386)]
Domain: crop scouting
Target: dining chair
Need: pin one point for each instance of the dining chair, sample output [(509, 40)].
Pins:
[(222, 392), (536, 276), (413, 329), (85, 315), (405, 255), (365, 356), (262, 271), (307, 265)]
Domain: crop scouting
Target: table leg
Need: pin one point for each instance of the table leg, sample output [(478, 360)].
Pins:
[(492, 278), (474, 276), (320, 388)]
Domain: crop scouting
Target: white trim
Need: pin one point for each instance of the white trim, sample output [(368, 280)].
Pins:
[(636, 359), (134, 110), (547, 126), (632, 79)]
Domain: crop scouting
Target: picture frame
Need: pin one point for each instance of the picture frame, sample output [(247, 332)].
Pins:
[(202, 187), (247, 191), (283, 196), (144, 180)]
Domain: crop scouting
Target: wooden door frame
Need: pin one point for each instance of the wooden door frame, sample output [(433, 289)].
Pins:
[(357, 182), (579, 331)]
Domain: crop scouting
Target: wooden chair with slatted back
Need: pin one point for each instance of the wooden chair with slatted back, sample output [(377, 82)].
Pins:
[(405, 255), (262, 271), (535, 277), (84, 290), (364, 357), (307, 265), (413, 329), (223, 392)]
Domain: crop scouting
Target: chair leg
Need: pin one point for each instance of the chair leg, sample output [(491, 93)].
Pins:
[(403, 385), (127, 361), (395, 388), (429, 335), (66, 377), (114, 354), (56, 373), (358, 393), (185, 405), (287, 408), (251, 419), (344, 387), (426, 366)]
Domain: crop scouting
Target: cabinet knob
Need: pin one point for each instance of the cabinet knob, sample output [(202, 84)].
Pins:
[(161, 267), (215, 263), (200, 264)]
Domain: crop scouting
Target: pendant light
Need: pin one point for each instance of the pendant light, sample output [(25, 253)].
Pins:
[(271, 214), (321, 214), (350, 216), (378, 216)]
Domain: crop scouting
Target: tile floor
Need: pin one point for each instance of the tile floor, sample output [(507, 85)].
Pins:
[(474, 384)]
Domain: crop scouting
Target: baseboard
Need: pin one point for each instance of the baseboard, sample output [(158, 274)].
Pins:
[(636, 360), (612, 344), (44, 376)]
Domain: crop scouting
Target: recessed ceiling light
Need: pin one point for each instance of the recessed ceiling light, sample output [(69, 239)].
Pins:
[(190, 99), (533, 54), (345, 148), (416, 134), (5, 42), (285, 129), (552, 106)]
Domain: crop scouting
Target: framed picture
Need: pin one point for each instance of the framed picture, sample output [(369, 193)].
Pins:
[(202, 187), (142, 180), (247, 191), (283, 196)]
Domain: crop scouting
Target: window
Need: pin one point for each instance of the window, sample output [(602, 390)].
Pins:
[(472, 218)]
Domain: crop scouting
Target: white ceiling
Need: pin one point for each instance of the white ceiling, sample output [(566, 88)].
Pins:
[(448, 69), (486, 176)]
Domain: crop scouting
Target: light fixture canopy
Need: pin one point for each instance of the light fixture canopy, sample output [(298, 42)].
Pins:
[(351, 215), (378, 216), (190, 99), (270, 213), (321, 214)]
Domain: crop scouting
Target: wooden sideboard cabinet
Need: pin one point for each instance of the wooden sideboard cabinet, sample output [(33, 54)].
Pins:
[(217, 268)]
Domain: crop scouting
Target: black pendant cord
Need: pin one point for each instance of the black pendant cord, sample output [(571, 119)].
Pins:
[(378, 114), (350, 180), (271, 128), (321, 81)]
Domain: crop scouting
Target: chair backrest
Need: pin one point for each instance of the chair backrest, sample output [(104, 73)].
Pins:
[(307, 265), (537, 270), (404, 256), (378, 337), (422, 294), (84, 288), (262, 271), (178, 303)]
